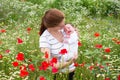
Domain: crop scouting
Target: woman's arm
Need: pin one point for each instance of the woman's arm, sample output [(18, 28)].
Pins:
[(58, 65), (61, 65), (43, 50)]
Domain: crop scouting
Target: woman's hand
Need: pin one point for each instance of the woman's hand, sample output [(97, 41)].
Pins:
[(61, 65), (75, 57)]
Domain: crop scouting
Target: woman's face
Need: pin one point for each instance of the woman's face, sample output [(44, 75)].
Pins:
[(59, 26)]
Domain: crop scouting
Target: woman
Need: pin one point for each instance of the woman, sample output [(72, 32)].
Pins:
[(52, 36)]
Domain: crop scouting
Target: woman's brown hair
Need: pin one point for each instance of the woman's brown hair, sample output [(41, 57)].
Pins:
[(51, 18)]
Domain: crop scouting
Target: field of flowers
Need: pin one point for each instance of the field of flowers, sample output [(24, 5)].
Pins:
[(98, 22)]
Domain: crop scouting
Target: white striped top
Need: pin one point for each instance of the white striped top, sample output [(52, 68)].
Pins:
[(48, 41)]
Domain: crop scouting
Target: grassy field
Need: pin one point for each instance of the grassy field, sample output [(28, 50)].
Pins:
[(99, 52)]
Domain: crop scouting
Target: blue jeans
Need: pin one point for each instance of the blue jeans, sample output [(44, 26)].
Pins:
[(70, 76)]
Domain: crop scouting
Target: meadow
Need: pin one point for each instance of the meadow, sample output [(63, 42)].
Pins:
[(98, 22)]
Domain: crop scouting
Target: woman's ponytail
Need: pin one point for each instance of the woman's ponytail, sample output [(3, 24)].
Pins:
[(42, 28)]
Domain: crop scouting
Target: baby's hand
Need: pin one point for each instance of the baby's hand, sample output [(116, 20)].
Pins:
[(73, 57)]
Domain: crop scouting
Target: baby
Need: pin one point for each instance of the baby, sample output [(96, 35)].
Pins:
[(70, 42)]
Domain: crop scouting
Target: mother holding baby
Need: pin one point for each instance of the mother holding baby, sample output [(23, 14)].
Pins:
[(56, 36)]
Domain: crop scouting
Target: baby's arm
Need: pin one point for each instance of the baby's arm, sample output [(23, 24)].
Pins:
[(75, 48), (74, 45)]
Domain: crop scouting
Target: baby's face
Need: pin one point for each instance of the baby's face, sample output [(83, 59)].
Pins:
[(68, 29)]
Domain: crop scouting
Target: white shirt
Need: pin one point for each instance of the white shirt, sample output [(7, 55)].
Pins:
[(48, 41)]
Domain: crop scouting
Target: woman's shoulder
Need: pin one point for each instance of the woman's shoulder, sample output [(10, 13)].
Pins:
[(45, 34)]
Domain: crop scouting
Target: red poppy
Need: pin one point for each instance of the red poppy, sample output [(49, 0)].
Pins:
[(46, 54), (91, 67), (29, 29), (31, 67), (7, 51), (54, 70), (1, 56), (98, 46), (23, 73), (54, 60), (76, 64), (107, 64), (2, 30), (63, 51), (15, 64), (107, 50), (107, 78), (20, 56), (101, 66), (96, 34), (44, 65), (42, 78), (118, 78), (96, 64), (82, 64), (19, 41), (118, 42), (79, 43)]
